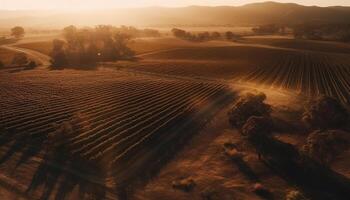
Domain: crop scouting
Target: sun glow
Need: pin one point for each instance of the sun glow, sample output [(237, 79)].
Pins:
[(107, 4)]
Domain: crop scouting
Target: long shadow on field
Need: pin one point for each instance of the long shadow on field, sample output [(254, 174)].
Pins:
[(29, 147), (317, 181), (245, 169), (59, 176), (30, 150), (136, 169)]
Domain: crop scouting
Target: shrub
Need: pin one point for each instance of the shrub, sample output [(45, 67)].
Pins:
[(247, 106), (20, 59), (295, 195), (186, 184), (325, 113), (324, 146), (255, 127)]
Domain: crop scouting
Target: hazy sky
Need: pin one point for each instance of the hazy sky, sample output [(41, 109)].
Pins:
[(102, 4)]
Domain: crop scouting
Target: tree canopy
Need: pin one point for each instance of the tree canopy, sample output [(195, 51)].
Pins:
[(17, 32)]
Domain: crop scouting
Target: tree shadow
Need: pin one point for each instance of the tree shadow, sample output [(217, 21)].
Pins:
[(17, 146), (315, 180), (82, 67), (246, 169), (141, 165), (59, 174)]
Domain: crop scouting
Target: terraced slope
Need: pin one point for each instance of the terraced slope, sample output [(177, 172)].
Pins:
[(126, 121)]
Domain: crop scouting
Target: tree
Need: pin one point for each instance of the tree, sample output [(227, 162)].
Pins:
[(89, 46), (267, 29), (215, 35), (325, 146), (325, 113), (17, 32), (229, 35), (248, 106), (58, 54), (179, 33)]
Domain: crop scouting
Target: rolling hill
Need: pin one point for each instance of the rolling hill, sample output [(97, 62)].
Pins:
[(250, 14)]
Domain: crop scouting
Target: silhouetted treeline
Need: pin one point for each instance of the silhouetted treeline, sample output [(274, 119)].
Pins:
[(337, 32), (269, 29), (134, 32), (199, 37), (89, 46)]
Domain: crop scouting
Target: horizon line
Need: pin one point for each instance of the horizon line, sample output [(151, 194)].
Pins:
[(143, 7)]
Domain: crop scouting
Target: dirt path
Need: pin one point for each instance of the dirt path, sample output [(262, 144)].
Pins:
[(43, 59)]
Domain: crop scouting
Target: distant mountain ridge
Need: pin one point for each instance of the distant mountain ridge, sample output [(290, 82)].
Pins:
[(250, 14)]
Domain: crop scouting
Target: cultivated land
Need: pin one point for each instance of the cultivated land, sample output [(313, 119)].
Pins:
[(119, 115), (127, 120), (6, 56)]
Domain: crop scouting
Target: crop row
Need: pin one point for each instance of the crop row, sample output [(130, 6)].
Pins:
[(308, 73)]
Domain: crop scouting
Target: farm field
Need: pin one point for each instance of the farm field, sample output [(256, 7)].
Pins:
[(174, 100), (306, 67), (139, 45), (44, 47), (322, 46), (306, 72), (114, 118), (6, 56), (126, 115)]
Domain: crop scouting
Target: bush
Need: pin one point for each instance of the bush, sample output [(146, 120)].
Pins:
[(255, 127), (247, 106), (185, 184), (295, 195), (325, 113), (324, 146), (20, 59)]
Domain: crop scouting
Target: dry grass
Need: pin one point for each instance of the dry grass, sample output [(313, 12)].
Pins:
[(6, 56), (44, 47)]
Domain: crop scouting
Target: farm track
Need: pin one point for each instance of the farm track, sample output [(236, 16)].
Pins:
[(43, 59)]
